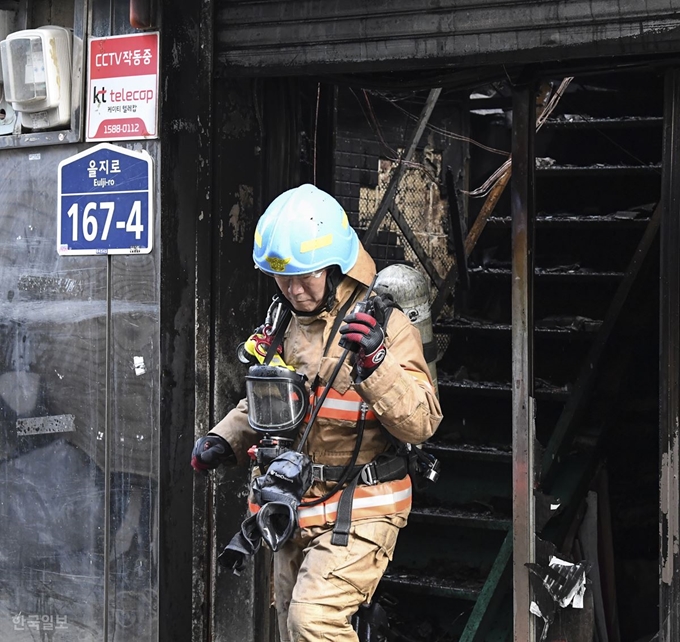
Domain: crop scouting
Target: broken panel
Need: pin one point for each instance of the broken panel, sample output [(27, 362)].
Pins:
[(78, 460)]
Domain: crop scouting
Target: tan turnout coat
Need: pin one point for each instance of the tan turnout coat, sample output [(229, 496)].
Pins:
[(399, 392)]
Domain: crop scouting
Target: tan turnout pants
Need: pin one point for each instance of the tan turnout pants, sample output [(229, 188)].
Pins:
[(318, 586)]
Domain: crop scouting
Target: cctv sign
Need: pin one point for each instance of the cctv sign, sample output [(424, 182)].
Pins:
[(122, 100)]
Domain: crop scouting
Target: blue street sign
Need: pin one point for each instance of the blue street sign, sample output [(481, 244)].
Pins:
[(105, 198)]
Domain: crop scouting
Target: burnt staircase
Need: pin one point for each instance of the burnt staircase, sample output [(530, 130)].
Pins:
[(597, 188)]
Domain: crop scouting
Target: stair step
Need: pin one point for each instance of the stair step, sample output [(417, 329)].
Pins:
[(497, 389), (470, 451), (458, 325), (548, 275), (578, 121), (460, 518), (607, 221), (599, 170), (462, 589), (483, 388)]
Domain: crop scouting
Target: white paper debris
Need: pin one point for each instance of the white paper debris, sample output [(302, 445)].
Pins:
[(140, 367), (560, 583), (575, 596), (535, 609)]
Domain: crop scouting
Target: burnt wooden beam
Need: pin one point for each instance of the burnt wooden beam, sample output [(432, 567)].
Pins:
[(391, 191), (573, 411), (204, 490), (325, 130), (470, 241), (523, 427), (669, 363), (246, 185), (417, 248), (494, 590), (457, 230), (185, 200)]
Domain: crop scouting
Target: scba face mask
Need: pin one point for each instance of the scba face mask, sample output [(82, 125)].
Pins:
[(279, 493), (278, 400)]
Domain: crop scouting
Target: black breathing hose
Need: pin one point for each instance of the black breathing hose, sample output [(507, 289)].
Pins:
[(345, 473), (330, 382)]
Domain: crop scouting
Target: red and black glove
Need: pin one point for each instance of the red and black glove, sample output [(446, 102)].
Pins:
[(211, 451), (364, 336)]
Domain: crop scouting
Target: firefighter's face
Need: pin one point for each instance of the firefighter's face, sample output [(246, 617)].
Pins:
[(305, 293)]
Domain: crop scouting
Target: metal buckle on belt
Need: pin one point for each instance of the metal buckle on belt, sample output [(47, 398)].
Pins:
[(368, 475), (318, 473)]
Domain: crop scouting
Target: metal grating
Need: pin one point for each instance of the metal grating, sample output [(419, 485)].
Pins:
[(426, 212), (419, 200)]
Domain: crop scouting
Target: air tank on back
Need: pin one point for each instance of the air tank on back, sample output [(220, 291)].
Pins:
[(411, 291)]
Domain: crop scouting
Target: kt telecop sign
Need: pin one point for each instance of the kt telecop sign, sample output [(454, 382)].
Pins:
[(122, 99)]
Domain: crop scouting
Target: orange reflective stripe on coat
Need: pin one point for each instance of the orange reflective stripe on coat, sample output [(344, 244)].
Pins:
[(345, 407), (369, 501)]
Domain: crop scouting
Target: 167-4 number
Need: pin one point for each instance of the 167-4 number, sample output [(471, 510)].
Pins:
[(90, 223)]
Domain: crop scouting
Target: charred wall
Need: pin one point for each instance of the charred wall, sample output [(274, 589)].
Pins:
[(309, 36)]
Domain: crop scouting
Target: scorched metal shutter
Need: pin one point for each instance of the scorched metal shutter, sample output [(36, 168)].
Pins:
[(297, 36)]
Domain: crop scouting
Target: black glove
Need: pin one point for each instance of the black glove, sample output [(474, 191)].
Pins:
[(246, 542), (211, 451), (363, 335)]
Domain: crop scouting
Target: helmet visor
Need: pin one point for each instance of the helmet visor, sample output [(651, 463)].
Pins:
[(277, 401)]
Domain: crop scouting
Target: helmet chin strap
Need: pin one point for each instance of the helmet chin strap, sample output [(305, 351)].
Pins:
[(333, 278), (313, 313)]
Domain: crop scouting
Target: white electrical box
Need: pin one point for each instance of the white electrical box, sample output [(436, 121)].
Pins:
[(36, 72)]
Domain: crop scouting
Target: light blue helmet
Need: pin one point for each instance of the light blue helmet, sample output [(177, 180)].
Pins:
[(302, 231)]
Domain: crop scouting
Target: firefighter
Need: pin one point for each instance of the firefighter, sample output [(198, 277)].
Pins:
[(304, 241)]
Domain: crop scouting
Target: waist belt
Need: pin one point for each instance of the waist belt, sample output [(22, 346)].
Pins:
[(365, 501), (382, 469)]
